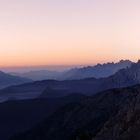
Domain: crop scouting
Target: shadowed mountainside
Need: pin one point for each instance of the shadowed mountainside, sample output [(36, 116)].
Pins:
[(110, 115), (18, 116)]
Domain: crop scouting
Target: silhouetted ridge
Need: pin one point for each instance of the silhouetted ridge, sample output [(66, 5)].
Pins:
[(7, 80)]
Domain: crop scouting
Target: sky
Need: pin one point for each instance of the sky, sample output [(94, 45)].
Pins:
[(68, 32)]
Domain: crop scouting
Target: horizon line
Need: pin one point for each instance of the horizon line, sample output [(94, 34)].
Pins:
[(64, 65)]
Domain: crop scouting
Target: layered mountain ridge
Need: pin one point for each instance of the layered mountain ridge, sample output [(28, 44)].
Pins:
[(97, 71), (52, 88), (8, 80)]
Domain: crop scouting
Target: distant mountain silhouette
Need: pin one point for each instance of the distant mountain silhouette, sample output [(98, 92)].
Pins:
[(97, 71), (110, 115), (40, 75), (52, 88), (8, 80)]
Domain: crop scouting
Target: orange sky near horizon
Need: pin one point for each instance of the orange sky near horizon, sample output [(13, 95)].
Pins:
[(68, 32)]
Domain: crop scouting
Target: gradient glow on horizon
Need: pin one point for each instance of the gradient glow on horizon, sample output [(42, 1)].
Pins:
[(59, 32)]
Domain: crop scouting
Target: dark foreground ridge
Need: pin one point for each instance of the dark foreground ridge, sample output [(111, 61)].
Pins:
[(18, 116), (110, 115)]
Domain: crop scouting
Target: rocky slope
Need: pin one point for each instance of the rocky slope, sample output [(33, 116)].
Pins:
[(110, 115)]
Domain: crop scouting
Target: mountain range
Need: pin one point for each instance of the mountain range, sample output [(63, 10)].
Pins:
[(90, 86), (105, 108), (97, 71)]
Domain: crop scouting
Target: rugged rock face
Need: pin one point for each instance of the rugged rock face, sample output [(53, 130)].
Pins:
[(110, 115), (125, 125)]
